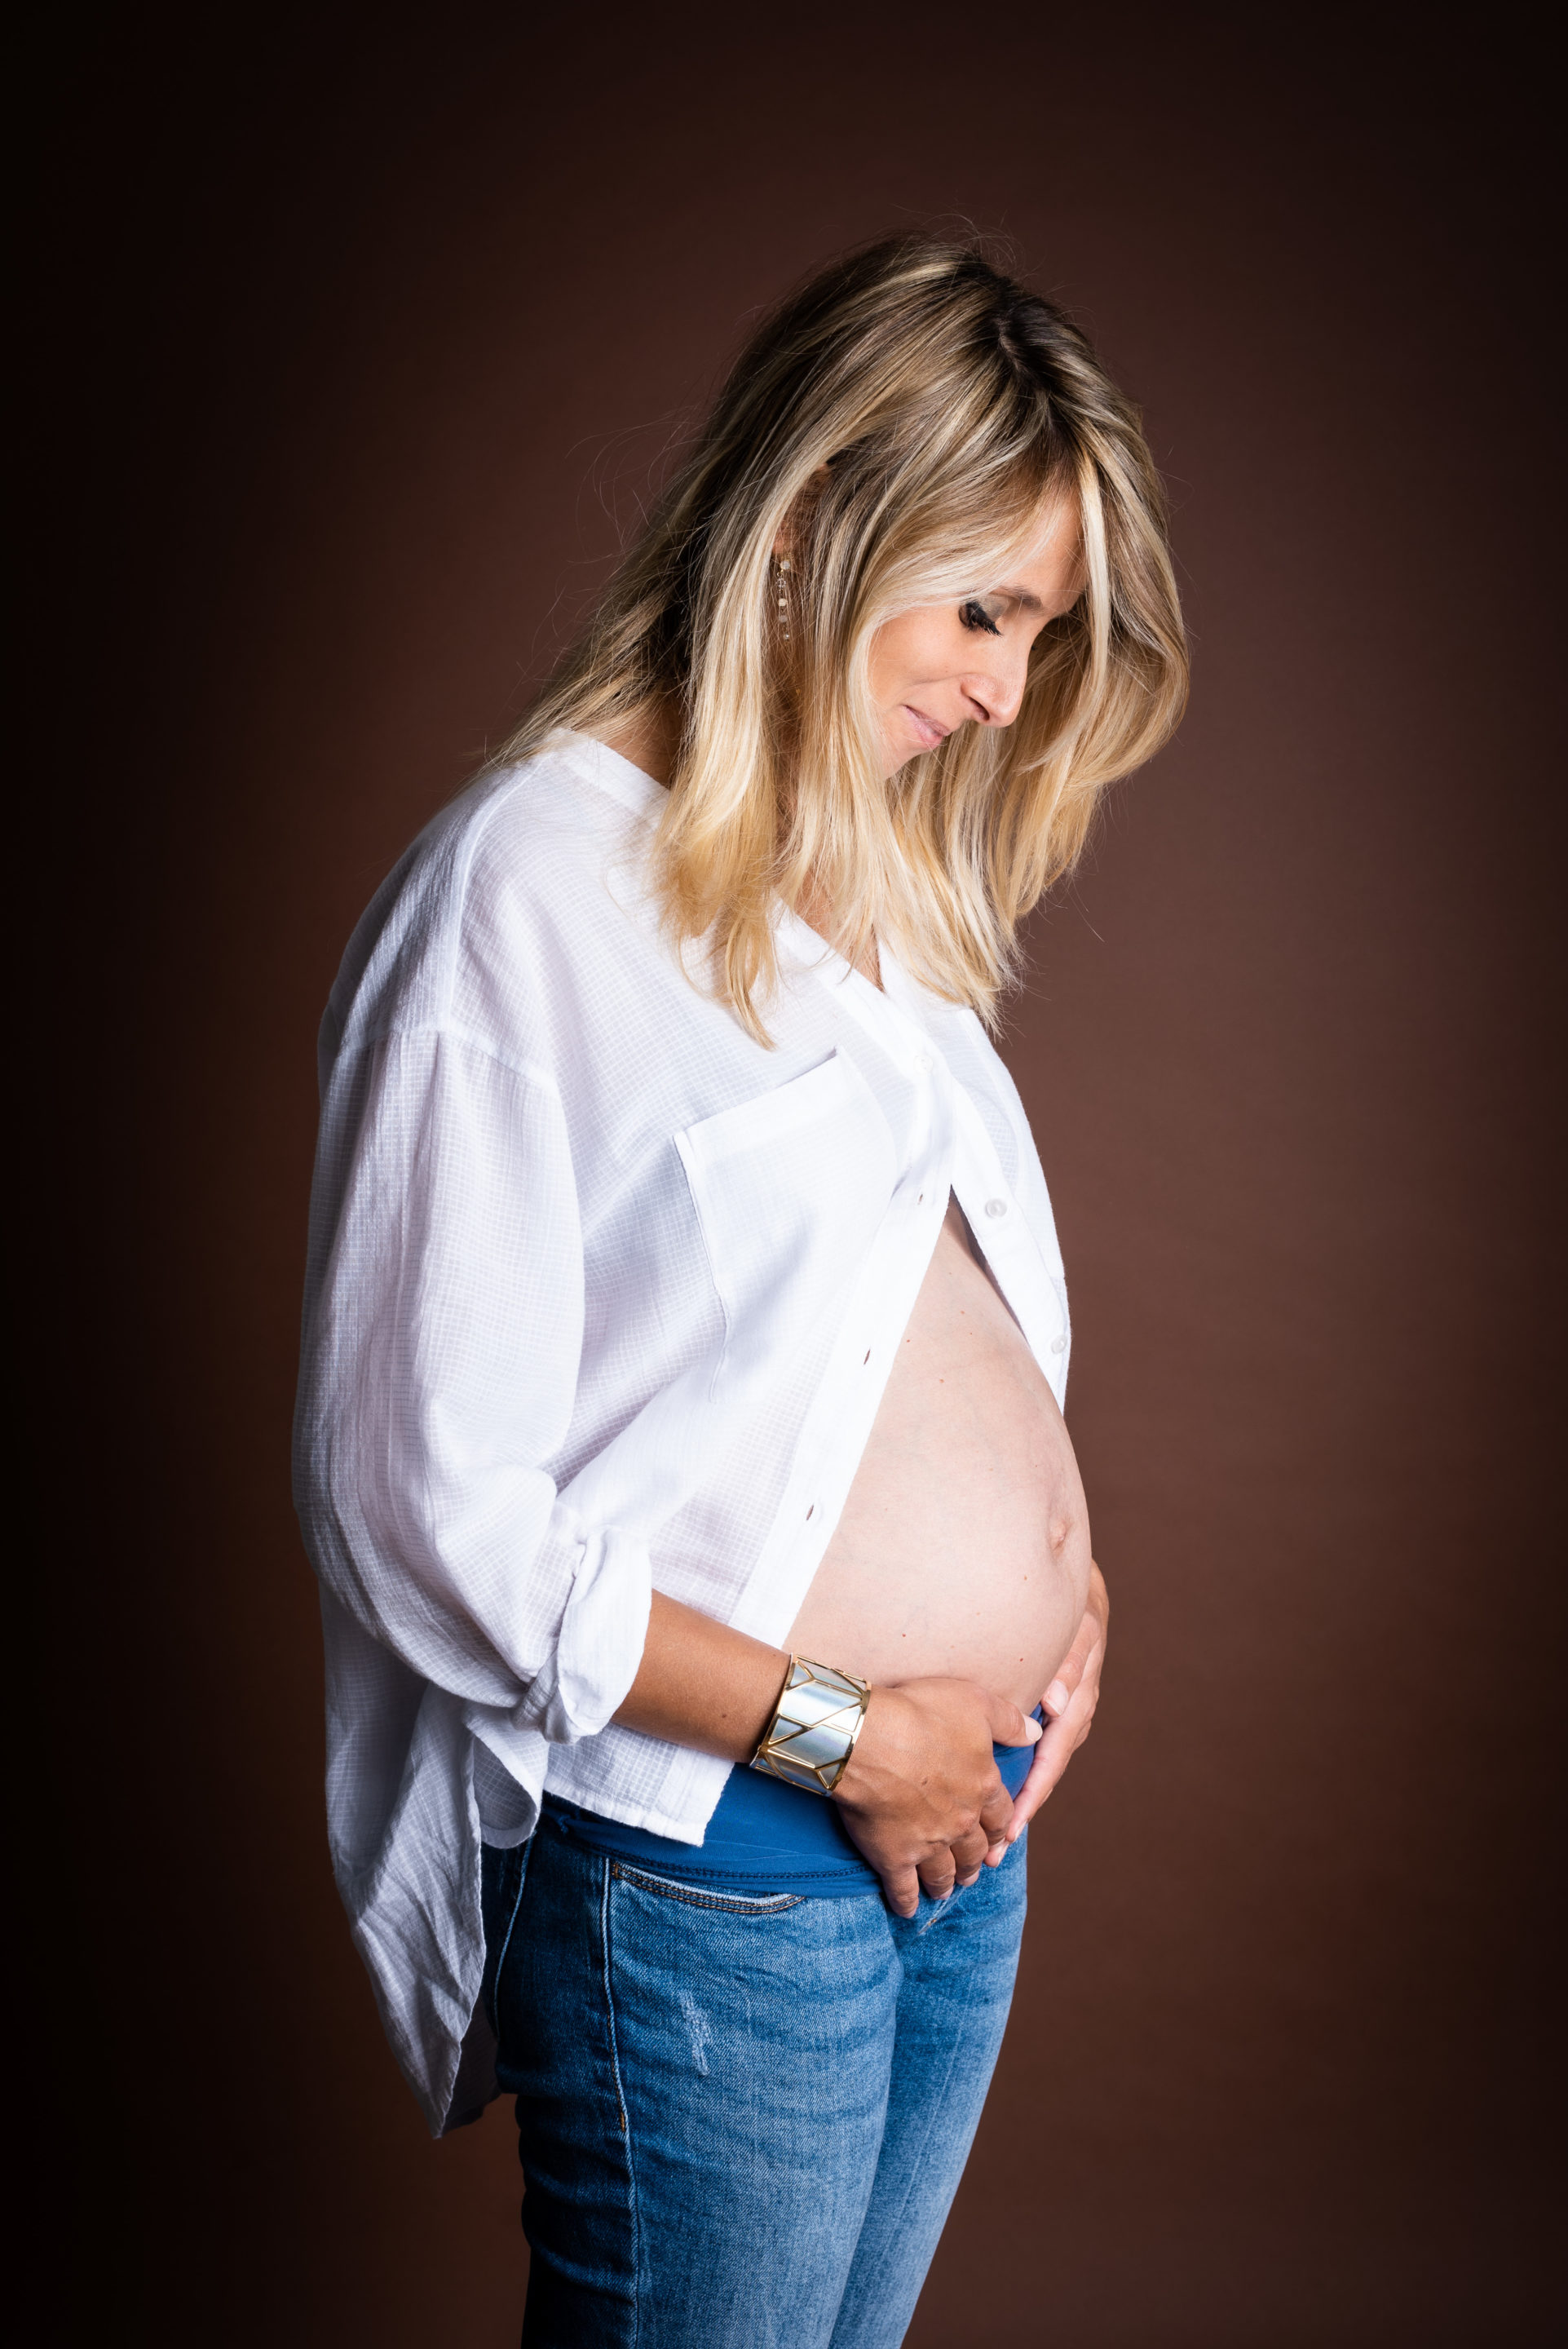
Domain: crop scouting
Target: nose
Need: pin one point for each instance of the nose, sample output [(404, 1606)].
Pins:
[(996, 689)]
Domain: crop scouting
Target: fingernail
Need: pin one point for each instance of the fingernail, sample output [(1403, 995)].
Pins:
[(1033, 1731), (1057, 1697)]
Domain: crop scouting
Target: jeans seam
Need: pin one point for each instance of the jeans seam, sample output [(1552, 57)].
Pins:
[(604, 1933), (511, 1914), (933, 2104)]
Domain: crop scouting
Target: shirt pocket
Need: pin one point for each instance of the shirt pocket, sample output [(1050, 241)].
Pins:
[(790, 1190)]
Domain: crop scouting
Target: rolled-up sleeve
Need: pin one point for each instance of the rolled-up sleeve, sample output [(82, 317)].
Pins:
[(441, 1364)]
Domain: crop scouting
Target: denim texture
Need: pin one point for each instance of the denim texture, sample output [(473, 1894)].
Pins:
[(741, 2119)]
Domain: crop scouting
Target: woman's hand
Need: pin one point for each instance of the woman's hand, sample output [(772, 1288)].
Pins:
[(1070, 1703), (922, 1797)]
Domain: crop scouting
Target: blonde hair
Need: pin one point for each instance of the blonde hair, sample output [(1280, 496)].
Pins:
[(901, 419)]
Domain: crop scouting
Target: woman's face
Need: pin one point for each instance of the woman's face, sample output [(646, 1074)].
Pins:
[(942, 666)]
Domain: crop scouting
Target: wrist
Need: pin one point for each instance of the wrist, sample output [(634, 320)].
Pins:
[(884, 1737)]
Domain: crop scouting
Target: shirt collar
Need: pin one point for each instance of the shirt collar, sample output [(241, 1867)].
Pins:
[(607, 770)]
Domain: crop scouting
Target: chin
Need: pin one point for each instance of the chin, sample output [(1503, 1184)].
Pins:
[(908, 746)]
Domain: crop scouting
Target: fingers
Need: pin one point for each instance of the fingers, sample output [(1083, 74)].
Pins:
[(1074, 1664), (961, 1864), (900, 1890), (1063, 1689), (1007, 1726), (1055, 1749), (996, 1812), (938, 1875), (1084, 1658), (968, 1853), (1051, 1758)]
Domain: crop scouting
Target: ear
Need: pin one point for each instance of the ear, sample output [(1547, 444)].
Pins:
[(790, 528)]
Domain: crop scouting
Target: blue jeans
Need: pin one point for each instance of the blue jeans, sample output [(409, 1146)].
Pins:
[(741, 2119)]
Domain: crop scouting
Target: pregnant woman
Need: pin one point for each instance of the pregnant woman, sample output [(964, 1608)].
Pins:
[(680, 1439)]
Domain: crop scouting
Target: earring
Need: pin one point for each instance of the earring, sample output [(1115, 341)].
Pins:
[(784, 597)]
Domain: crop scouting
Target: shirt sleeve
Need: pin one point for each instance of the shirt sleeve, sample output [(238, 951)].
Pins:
[(442, 1341)]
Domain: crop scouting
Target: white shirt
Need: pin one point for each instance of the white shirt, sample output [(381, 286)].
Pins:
[(601, 1296)]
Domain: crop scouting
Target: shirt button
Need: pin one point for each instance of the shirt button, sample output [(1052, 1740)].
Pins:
[(925, 1063), (995, 1206), (1059, 1345)]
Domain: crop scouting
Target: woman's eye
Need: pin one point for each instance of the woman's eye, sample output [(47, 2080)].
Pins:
[(973, 614)]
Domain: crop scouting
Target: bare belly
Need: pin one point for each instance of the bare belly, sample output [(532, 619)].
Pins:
[(964, 1547)]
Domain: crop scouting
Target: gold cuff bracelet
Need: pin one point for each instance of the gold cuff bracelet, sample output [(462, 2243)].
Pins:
[(820, 1714)]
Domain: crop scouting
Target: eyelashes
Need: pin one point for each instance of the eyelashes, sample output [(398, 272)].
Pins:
[(973, 614)]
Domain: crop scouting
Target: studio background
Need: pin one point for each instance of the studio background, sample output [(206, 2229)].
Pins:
[(361, 346)]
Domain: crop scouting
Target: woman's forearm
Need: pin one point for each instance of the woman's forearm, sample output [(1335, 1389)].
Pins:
[(702, 1685)]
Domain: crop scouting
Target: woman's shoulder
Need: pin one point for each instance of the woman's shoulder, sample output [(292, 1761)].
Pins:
[(553, 823), (506, 893)]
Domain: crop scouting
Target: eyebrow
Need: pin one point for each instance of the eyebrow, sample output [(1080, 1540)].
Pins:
[(1020, 595)]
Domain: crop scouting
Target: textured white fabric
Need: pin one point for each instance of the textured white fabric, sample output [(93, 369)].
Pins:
[(601, 1295)]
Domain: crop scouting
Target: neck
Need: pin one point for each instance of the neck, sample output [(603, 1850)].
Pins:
[(649, 739), (816, 911)]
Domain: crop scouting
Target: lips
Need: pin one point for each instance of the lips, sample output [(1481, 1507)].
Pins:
[(928, 730)]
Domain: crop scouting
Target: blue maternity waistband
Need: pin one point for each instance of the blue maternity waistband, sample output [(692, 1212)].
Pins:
[(765, 1835)]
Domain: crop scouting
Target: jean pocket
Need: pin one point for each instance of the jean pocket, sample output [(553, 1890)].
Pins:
[(694, 1896)]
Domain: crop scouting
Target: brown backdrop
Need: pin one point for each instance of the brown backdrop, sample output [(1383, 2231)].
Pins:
[(362, 344)]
